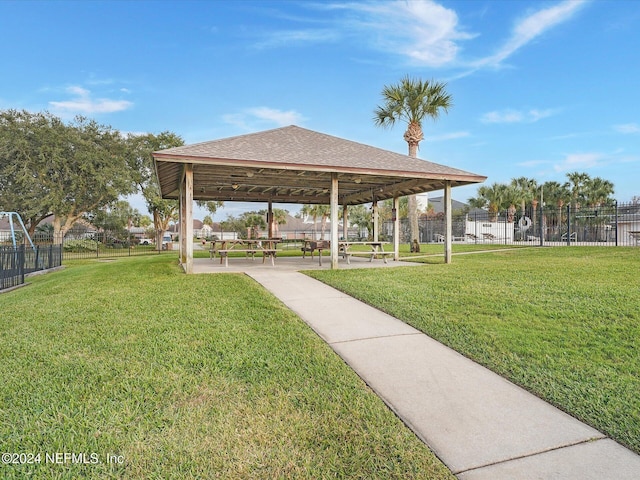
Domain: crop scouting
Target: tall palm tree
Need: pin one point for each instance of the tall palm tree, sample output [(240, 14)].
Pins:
[(556, 194), (495, 195), (315, 211), (412, 101), (308, 211), (598, 192), (577, 185), (525, 191)]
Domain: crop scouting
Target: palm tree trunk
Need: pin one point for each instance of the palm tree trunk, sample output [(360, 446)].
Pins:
[(413, 135), (412, 208)]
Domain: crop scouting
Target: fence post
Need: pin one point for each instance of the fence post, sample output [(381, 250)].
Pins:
[(569, 225), (475, 227), (616, 223), (506, 226), (21, 260), (541, 224)]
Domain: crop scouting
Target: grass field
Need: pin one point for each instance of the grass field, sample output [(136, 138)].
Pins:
[(562, 322), (292, 249), (171, 376)]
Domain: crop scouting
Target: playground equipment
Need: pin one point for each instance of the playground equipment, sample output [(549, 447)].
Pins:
[(12, 228), (22, 235)]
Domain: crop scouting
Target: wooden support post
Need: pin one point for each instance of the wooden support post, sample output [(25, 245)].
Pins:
[(181, 219), (345, 222), (375, 220), (334, 221), (270, 220), (448, 222), (396, 229), (186, 219)]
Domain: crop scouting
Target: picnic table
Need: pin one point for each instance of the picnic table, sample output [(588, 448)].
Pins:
[(311, 246), (266, 247), (376, 249)]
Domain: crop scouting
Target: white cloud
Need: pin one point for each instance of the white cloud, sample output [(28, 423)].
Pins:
[(257, 117), (627, 128), (515, 116), (531, 27), (448, 136), (279, 117), (535, 115), (505, 116), (580, 161), (83, 103), (422, 30), (297, 37)]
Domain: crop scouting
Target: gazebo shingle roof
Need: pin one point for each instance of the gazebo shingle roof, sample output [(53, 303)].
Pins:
[(293, 165)]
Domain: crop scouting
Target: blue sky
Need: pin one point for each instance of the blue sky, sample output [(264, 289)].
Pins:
[(540, 88)]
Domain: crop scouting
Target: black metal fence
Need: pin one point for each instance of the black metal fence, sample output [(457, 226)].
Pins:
[(79, 244), (18, 261), (616, 225)]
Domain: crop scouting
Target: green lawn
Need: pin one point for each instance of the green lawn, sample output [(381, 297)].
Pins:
[(183, 377), (426, 249), (562, 322)]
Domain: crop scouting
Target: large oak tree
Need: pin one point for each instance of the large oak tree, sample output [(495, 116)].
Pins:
[(48, 167)]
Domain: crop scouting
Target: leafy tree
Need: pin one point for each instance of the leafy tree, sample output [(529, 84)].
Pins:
[(254, 221), (248, 224), (48, 167), (211, 207), (25, 140), (360, 216), (556, 194), (495, 196), (599, 192), (315, 211), (524, 191), (580, 190), (478, 201), (144, 221), (578, 182), (233, 224), (119, 215), (139, 149), (412, 101), (279, 218), (308, 211)]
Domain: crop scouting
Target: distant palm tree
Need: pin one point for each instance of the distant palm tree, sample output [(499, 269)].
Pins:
[(577, 185), (598, 192), (315, 211), (556, 194), (478, 202), (525, 190), (279, 218), (495, 195), (412, 101)]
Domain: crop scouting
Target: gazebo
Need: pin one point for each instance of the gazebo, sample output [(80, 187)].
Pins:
[(296, 165)]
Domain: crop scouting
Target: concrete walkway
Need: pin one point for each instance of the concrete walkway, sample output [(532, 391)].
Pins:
[(480, 425)]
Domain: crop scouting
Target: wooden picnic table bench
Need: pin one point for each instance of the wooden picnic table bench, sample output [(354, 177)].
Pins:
[(377, 250), (265, 247), (311, 246)]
